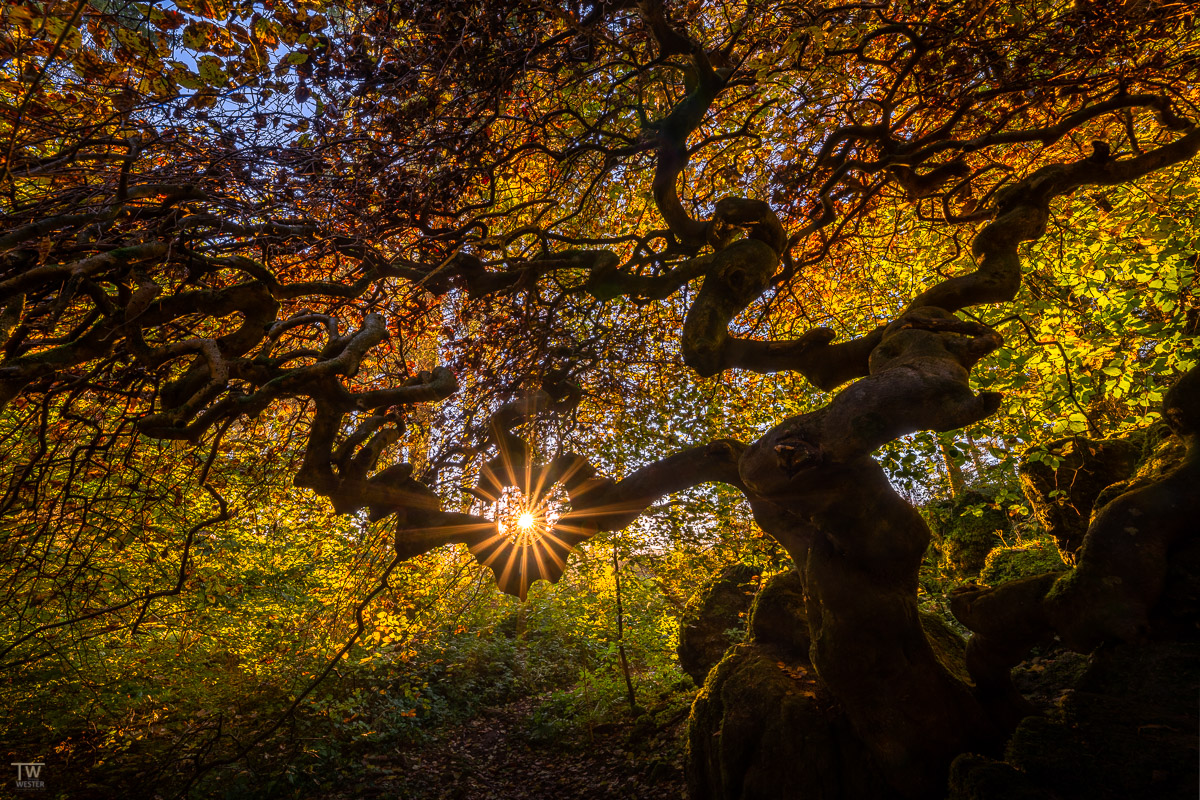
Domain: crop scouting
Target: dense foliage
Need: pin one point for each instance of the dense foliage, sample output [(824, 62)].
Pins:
[(296, 294)]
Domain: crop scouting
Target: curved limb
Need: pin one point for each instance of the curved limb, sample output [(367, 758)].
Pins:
[(1022, 211), (596, 504), (918, 381)]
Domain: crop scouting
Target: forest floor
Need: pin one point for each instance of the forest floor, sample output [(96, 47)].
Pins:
[(498, 755)]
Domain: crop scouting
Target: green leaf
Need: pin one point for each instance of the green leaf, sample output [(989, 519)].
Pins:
[(196, 36), (212, 71)]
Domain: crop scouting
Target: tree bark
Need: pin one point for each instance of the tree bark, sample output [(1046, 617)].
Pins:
[(858, 546)]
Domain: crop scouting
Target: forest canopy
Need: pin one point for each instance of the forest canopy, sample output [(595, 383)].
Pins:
[(298, 294)]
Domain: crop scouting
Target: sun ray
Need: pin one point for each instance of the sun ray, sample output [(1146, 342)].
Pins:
[(528, 542)]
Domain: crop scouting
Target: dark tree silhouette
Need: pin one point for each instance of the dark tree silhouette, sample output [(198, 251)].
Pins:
[(289, 220)]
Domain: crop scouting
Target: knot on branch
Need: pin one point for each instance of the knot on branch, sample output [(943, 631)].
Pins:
[(796, 454), (932, 333), (734, 215), (1101, 152)]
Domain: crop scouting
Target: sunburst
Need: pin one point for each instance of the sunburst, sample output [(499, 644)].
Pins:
[(525, 547)]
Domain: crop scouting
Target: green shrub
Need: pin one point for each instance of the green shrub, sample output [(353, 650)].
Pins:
[(1028, 558)]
